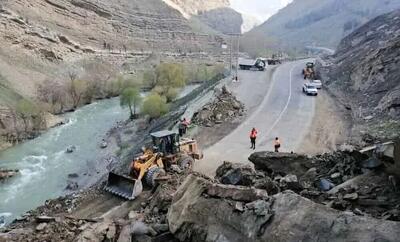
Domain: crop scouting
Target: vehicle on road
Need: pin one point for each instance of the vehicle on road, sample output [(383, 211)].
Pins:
[(152, 164), (308, 72), (249, 64), (317, 83), (310, 89), (275, 59)]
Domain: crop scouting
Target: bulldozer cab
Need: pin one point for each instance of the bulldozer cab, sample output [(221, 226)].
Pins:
[(165, 142)]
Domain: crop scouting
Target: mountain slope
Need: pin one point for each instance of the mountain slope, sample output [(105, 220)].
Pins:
[(364, 73), (320, 23), (38, 36), (216, 14)]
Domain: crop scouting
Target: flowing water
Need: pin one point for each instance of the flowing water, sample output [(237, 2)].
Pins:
[(44, 163)]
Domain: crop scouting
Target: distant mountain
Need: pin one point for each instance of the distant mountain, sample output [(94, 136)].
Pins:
[(216, 14), (364, 73), (318, 23)]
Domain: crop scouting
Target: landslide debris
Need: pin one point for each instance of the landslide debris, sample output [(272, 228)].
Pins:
[(364, 75), (224, 108), (281, 199)]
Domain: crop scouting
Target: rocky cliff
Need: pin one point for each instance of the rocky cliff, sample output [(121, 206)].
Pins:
[(320, 23), (37, 36), (364, 73), (216, 14)]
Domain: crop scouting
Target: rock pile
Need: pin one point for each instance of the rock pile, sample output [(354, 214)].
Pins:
[(224, 108), (344, 180), (280, 200)]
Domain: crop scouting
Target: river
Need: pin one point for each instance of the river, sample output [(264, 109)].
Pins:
[(43, 163)]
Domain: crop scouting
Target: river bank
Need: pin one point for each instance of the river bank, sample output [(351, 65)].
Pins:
[(44, 160)]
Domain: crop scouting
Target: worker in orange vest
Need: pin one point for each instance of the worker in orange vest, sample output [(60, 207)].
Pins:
[(253, 137), (277, 144)]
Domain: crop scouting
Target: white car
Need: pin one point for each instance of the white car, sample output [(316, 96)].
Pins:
[(317, 83), (310, 89)]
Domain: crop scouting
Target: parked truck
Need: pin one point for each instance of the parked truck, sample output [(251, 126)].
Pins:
[(250, 64)]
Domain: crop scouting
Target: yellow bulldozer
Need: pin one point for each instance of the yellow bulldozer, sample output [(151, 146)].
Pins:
[(168, 149)]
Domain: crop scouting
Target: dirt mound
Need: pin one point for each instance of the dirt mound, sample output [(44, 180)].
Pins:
[(224, 108)]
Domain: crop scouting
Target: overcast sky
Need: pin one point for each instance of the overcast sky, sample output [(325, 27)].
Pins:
[(262, 9)]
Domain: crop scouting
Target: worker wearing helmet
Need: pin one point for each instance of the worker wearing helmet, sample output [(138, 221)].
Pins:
[(277, 144), (253, 137)]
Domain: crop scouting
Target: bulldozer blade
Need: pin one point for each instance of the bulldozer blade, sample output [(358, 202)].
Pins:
[(123, 186)]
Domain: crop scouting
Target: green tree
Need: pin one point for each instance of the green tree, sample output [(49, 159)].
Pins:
[(131, 97), (155, 106), (28, 111)]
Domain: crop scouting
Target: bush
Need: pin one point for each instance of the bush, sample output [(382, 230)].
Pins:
[(155, 106)]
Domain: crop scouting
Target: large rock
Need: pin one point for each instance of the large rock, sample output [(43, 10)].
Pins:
[(299, 219), (193, 217), (281, 163), (283, 217), (236, 174)]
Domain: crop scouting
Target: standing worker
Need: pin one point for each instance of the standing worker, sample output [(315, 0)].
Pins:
[(277, 144), (185, 125), (253, 137)]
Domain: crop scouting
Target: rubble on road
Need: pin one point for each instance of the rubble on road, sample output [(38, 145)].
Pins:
[(6, 174), (286, 197), (224, 108)]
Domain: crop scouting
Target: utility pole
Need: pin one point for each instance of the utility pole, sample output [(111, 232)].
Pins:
[(234, 53), (237, 58), (230, 55)]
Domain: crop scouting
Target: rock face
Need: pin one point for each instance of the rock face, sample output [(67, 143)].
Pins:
[(52, 32), (364, 75), (215, 14), (320, 23)]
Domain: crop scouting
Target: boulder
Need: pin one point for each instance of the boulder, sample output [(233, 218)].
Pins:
[(281, 163), (71, 149), (236, 174), (72, 186), (5, 174), (193, 217), (299, 219), (237, 193), (284, 217)]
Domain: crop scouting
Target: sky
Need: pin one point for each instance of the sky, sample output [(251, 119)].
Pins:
[(261, 9)]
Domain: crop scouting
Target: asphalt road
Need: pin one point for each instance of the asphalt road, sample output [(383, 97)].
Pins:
[(276, 108)]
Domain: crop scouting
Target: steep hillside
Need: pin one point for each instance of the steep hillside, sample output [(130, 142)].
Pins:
[(364, 73), (216, 14), (320, 23), (63, 44), (37, 36)]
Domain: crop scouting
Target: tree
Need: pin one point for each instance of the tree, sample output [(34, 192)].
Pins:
[(77, 89), (131, 97), (28, 111), (53, 93), (149, 79), (155, 106)]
